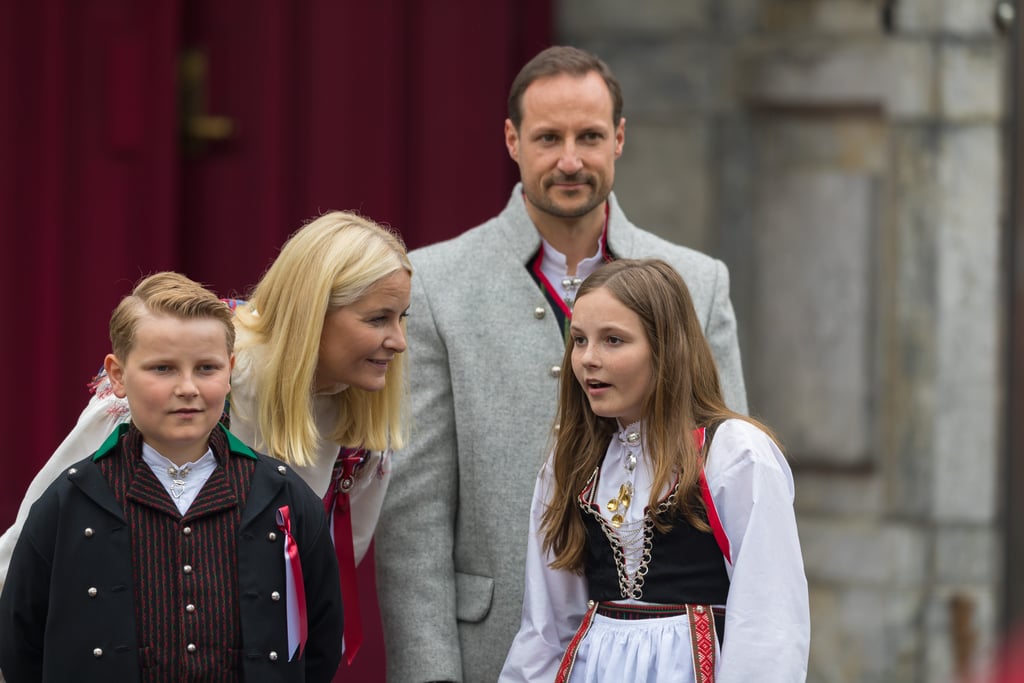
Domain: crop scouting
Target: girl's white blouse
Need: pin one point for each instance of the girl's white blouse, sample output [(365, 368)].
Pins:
[(767, 627)]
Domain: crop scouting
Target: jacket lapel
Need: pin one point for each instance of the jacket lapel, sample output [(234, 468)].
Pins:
[(267, 483), (145, 489), (88, 478)]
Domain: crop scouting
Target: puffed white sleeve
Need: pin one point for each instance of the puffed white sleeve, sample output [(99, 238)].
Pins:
[(553, 605), (767, 623), (103, 413)]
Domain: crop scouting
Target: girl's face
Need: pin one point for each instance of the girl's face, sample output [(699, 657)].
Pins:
[(360, 340), (611, 356)]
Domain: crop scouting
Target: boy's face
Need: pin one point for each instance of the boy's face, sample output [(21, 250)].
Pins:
[(175, 378)]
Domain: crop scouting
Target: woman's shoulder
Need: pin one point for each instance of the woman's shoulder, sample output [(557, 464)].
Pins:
[(739, 443), (103, 401), (243, 375), (289, 474), (738, 430)]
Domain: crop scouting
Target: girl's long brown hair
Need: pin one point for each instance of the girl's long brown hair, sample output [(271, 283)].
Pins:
[(686, 394)]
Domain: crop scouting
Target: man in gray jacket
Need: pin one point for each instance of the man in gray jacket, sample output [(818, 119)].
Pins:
[(486, 336)]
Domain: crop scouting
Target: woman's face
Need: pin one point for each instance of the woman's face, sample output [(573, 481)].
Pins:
[(611, 356), (360, 340)]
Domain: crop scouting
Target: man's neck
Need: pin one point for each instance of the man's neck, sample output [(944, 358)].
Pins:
[(576, 238)]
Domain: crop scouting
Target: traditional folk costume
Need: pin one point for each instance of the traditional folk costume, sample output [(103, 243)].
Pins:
[(653, 606), (351, 482), (110, 581)]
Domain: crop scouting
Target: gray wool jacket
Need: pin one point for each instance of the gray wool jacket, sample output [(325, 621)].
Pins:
[(483, 345)]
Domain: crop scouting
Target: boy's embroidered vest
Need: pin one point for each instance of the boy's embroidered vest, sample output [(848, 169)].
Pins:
[(185, 569)]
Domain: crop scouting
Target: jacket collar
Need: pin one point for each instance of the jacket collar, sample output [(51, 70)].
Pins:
[(521, 236), (234, 444)]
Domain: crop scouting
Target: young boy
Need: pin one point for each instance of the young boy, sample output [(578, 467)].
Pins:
[(174, 552)]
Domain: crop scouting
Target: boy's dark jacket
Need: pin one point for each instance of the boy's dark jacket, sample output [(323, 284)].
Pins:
[(94, 638)]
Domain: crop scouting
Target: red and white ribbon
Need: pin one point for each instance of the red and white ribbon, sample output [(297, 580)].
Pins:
[(339, 512), (295, 589)]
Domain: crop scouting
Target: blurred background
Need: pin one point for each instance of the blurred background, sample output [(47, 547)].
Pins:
[(854, 162)]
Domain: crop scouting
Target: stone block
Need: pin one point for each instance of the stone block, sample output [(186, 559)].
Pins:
[(969, 17), (918, 16), (897, 75), (863, 552), (811, 374), (907, 316), (864, 635), (661, 79), (849, 141), (959, 630), (584, 20), (971, 555), (840, 17), (736, 17), (972, 82), (661, 180), (835, 495), (968, 335), (732, 176)]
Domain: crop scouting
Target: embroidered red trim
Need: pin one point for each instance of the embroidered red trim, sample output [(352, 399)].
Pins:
[(569, 658), (702, 641), (542, 278)]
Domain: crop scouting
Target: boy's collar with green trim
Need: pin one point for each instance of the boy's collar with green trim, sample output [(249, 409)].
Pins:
[(234, 443)]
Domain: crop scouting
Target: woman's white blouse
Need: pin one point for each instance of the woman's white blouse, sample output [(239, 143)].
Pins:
[(767, 628)]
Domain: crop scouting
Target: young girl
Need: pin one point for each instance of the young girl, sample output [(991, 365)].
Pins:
[(663, 544), (319, 367)]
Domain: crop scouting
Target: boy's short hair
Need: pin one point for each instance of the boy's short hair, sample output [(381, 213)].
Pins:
[(166, 293)]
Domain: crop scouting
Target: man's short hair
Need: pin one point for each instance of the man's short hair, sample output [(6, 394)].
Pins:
[(555, 61)]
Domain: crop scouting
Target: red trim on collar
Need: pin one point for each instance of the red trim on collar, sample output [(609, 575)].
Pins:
[(553, 294), (602, 242)]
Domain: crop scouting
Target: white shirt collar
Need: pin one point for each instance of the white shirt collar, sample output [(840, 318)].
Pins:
[(183, 483), (555, 270)]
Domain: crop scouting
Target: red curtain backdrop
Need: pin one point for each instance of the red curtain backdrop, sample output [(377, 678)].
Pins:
[(393, 108)]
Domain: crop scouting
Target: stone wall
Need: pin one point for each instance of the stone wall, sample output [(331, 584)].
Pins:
[(846, 159)]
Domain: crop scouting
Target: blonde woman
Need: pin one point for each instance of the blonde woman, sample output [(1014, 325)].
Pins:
[(318, 381)]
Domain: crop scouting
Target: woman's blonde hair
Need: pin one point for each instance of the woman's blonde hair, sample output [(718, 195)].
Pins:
[(685, 394), (328, 263)]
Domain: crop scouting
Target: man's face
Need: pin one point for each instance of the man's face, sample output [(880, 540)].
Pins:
[(566, 145)]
